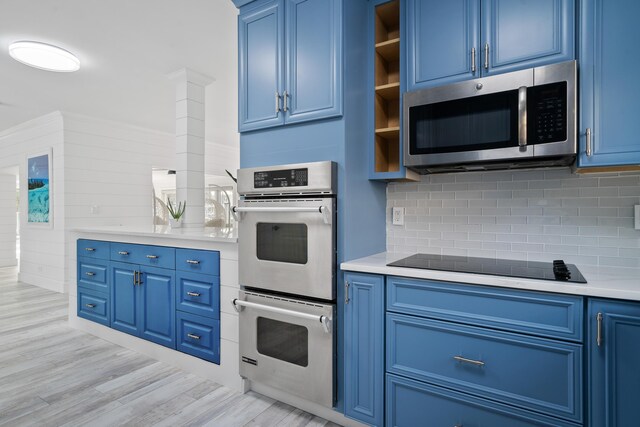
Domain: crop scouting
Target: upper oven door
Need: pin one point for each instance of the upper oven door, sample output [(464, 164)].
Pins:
[(288, 245)]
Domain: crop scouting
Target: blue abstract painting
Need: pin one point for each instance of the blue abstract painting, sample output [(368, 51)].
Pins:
[(38, 181)]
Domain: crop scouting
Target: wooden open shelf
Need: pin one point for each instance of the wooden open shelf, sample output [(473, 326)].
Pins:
[(389, 50), (387, 87), (390, 91)]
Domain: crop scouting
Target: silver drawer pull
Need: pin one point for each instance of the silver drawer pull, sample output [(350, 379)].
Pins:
[(193, 294), (470, 361), (89, 249), (193, 261), (90, 273), (193, 336), (90, 305), (152, 256), (123, 253)]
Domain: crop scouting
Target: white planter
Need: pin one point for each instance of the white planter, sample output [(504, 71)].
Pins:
[(175, 223)]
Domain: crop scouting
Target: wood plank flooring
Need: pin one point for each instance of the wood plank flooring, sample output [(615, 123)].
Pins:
[(53, 375)]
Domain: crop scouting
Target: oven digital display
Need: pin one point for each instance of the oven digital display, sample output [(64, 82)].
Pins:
[(281, 178)]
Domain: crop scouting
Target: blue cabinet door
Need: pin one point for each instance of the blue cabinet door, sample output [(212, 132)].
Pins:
[(609, 84), (260, 43), (364, 348), (313, 82), (124, 298), (614, 377), (442, 41), (157, 306), (526, 33)]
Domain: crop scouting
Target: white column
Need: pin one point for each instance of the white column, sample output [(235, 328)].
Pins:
[(8, 220), (190, 91)]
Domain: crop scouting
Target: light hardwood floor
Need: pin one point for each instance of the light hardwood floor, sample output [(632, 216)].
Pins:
[(53, 375)]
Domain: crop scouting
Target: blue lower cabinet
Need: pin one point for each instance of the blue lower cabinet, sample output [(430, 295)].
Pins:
[(614, 352), (413, 403), (198, 294), (532, 373), (143, 302), (364, 348), (93, 274), (93, 305), (198, 336)]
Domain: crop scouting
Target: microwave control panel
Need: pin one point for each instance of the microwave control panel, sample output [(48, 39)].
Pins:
[(547, 110), (281, 178)]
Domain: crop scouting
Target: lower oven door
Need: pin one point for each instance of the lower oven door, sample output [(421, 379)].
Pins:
[(288, 344), (288, 246)]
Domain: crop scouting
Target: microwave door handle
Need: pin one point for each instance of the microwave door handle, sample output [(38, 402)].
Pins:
[(522, 116), (325, 321), (323, 210)]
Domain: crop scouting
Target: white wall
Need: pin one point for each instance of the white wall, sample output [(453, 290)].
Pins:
[(536, 215), (41, 248), (7, 220)]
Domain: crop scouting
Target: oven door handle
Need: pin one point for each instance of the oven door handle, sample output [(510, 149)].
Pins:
[(324, 320), (323, 210)]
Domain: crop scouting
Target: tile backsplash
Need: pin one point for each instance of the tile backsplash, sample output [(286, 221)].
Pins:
[(536, 215)]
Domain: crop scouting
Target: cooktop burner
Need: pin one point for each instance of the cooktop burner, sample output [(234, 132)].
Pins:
[(557, 270)]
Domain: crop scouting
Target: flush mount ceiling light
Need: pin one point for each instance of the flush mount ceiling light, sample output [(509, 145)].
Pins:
[(44, 56)]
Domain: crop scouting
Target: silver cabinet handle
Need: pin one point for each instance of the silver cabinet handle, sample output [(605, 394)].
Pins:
[(89, 249), (137, 278), (90, 305), (346, 292), (522, 116), (473, 59), (325, 321), (193, 294), (123, 253), (599, 317), (588, 137), (193, 261), (285, 99), (194, 336), (486, 56), (470, 361), (152, 256), (90, 273), (277, 103)]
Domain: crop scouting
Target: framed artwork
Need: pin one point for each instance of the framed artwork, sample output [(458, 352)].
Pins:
[(39, 200)]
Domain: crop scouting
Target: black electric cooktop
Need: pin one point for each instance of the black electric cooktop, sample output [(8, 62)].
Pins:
[(556, 270)]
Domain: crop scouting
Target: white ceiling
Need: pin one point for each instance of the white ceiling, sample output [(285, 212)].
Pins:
[(126, 49)]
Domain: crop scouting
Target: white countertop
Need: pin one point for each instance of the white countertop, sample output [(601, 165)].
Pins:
[(220, 235), (606, 282)]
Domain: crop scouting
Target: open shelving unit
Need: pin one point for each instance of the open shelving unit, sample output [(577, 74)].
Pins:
[(387, 87)]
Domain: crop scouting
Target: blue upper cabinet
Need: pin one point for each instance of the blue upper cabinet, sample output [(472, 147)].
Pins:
[(609, 85), (457, 40), (614, 350), (364, 348), (443, 39), (526, 33), (290, 68), (260, 82)]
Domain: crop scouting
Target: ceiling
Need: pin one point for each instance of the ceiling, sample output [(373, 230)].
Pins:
[(126, 48)]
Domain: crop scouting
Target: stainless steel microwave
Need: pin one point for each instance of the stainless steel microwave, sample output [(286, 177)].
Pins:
[(520, 119)]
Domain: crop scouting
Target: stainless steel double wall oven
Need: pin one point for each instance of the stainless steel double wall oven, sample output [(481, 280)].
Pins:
[(287, 262)]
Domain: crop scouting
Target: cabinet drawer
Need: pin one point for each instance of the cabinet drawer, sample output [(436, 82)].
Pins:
[(412, 403), (533, 373), (197, 261), (146, 255), (93, 274), (198, 336), (92, 249), (550, 315), (93, 306), (198, 294)]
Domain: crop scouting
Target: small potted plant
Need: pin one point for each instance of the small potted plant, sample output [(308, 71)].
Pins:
[(176, 213)]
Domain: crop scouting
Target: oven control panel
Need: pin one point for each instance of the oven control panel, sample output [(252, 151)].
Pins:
[(281, 178)]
